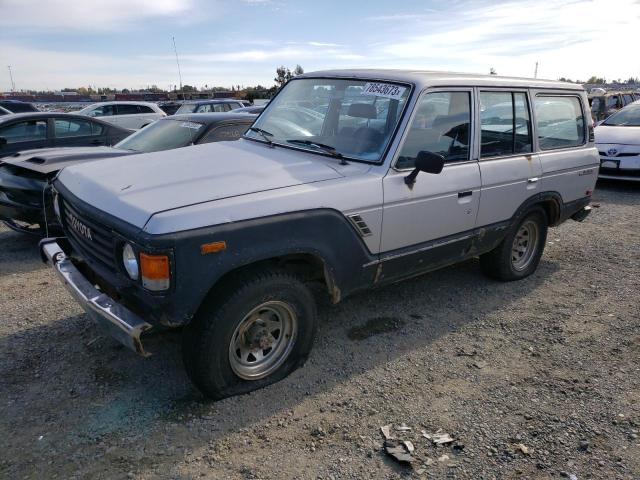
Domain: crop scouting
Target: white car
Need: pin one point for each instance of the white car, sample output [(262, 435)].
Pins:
[(125, 114), (618, 141)]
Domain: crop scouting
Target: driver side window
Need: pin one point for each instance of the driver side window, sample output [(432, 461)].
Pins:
[(441, 125)]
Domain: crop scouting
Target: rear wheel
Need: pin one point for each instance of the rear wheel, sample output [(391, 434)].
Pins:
[(254, 333), (519, 253)]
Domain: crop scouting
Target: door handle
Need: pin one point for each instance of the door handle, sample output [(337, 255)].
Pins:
[(465, 194), (532, 180)]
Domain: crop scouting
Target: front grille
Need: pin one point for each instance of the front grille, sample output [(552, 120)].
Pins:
[(92, 240)]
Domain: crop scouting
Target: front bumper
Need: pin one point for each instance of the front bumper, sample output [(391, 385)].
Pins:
[(123, 325)]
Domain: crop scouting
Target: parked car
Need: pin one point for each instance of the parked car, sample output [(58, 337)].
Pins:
[(4, 111), (608, 103), (16, 106), (170, 107), (25, 176), (227, 239), (26, 131), (133, 115), (256, 110), (618, 141), (212, 105)]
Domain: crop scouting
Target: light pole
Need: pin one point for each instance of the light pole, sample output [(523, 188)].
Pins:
[(177, 63), (13, 85)]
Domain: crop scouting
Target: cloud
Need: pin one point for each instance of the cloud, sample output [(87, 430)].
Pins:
[(87, 15)]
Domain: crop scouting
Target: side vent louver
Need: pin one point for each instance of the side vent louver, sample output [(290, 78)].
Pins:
[(360, 224)]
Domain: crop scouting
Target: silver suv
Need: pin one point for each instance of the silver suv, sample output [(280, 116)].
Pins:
[(351, 179)]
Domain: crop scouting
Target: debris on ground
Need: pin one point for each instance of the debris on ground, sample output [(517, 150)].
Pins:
[(438, 438), (398, 451), (523, 448)]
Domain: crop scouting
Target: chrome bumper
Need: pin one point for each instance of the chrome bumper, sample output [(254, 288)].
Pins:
[(123, 325)]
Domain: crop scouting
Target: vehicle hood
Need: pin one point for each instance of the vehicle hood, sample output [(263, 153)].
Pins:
[(161, 181), (619, 135), (49, 160)]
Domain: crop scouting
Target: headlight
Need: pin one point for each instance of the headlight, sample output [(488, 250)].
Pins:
[(56, 205), (130, 262)]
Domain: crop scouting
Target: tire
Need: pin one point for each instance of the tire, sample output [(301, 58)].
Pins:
[(513, 261), (244, 318)]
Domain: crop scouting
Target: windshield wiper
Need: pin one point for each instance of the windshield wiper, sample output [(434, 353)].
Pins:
[(325, 148), (264, 134)]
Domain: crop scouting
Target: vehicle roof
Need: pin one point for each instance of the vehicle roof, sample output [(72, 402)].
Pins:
[(211, 117), (36, 115), (122, 102), (211, 100), (427, 78), (7, 100), (612, 92)]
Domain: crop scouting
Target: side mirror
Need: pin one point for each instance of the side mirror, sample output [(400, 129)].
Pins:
[(3, 141), (427, 162)]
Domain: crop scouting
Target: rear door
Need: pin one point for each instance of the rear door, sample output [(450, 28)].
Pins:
[(73, 132), (509, 168), (568, 156), (24, 135), (128, 116), (438, 210)]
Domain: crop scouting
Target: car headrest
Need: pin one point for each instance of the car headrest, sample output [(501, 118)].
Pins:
[(362, 110)]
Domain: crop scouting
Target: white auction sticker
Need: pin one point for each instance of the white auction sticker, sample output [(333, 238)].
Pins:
[(191, 125), (386, 90)]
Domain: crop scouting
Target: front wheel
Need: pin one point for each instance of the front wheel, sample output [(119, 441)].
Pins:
[(254, 333), (519, 253)]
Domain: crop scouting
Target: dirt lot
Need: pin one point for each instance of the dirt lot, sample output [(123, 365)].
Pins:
[(534, 379)]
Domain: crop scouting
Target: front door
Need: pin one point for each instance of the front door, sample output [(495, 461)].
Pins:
[(23, 135), (431, 223)]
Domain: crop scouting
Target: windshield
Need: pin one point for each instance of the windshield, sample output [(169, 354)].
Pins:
[(627, 117), (187, 108), (350, 118), (162, 135)]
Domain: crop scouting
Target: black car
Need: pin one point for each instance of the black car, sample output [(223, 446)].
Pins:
[(211, 105), (25, 176), (25, 131), (16, 106)]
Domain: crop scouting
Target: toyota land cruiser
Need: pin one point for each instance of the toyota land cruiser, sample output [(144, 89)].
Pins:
[(354, 179)]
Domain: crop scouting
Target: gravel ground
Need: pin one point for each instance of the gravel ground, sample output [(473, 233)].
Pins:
[(532, 379)]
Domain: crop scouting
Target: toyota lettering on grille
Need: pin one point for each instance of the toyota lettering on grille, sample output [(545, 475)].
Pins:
[(78, 226)]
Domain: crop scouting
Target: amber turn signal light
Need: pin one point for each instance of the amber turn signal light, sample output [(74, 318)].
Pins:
[(214, 247), (155, 271)]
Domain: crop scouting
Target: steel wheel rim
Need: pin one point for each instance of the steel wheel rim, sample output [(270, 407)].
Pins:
[(263, 340), (524, 245)]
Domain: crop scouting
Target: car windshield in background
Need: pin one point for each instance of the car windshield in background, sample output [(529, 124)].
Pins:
[(162, 135), (628, 117), (350, 118), (187, 108)]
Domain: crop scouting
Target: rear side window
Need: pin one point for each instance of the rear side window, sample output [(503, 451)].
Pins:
[(145, 109), (204, 108), (224, 133), (65, 128), (441, 125), (560, 122), (220, 107), (26, 131), (505, 124)]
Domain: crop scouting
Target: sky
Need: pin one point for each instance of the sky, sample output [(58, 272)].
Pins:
[(51, 44)]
